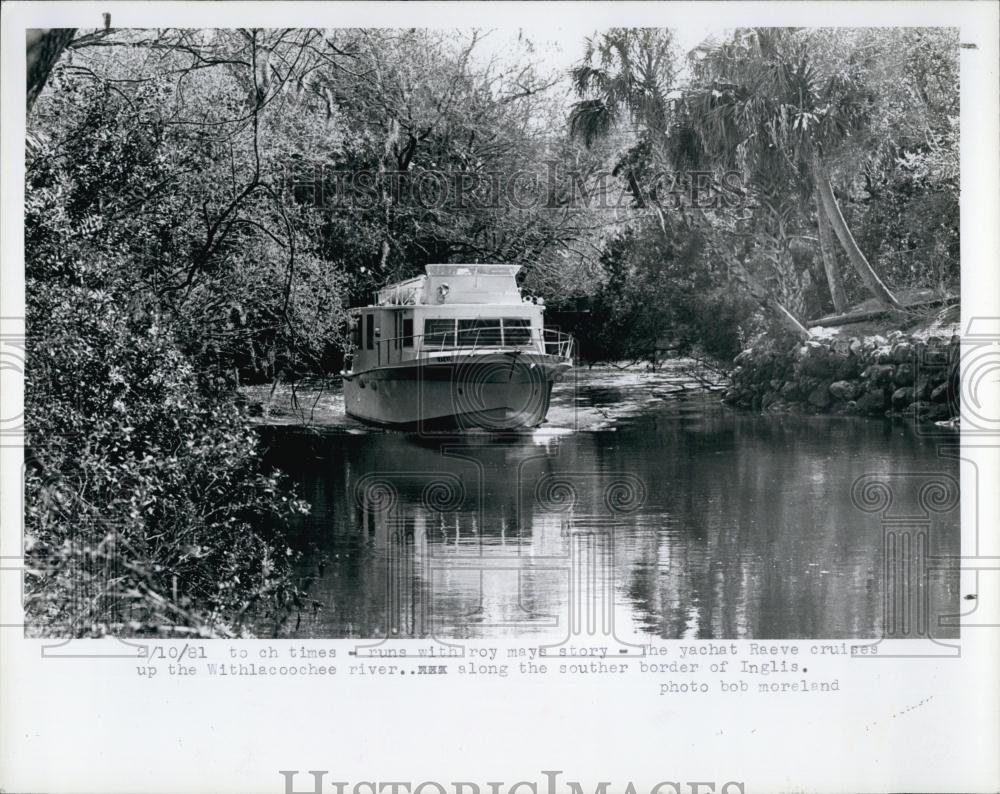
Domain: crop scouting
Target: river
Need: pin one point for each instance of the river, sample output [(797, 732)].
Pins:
[(642, 509)]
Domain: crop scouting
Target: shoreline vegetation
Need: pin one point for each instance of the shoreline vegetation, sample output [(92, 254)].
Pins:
[(202, 207)]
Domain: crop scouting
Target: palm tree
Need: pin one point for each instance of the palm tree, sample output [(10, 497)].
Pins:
[(761, 97), (629, 73), (624, 71), (826, 250)]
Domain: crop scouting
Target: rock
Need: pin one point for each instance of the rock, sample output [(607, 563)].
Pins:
[(743, 357), (845, 389), (902, 397), (872, 402), (854, 346), (820, 396), (940, 394), (923, 386), (904, 375), (840, 347), (934, 413), (883, 356), (791, 391), (815, 361), (902, 353), (845, 367), (879, 341), (880, 374), (816, 368), (934, 357)]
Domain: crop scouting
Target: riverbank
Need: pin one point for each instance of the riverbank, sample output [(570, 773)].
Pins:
[(588, 399), (901, 368)]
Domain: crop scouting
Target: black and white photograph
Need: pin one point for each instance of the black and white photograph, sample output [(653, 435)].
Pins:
[(568, 345), (371, 332)]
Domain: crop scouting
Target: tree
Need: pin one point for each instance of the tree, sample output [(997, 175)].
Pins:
[(44, 46), (171, 225), (762, 94), (830, 267), (624, 71), (630, 73)]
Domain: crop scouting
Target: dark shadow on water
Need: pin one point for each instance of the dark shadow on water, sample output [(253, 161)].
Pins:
[(692, 521)]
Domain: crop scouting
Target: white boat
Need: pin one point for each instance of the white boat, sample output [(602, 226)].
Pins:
[(458, 347)]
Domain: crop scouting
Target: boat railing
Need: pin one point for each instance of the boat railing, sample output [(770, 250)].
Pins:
[(425, 346), (558, 343)]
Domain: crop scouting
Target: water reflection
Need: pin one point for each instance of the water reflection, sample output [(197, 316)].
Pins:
[(687, 521)]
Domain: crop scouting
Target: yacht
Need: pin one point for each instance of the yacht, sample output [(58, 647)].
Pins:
[(458, 347)]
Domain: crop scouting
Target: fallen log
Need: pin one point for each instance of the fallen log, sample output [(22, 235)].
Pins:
[(832, 320)]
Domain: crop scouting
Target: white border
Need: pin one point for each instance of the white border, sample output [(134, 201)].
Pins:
[(92, 726)]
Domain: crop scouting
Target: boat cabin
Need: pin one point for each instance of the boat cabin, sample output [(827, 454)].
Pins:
[(452, 309)]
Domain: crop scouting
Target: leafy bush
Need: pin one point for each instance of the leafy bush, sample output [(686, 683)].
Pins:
[(661, 297), (145, 504)]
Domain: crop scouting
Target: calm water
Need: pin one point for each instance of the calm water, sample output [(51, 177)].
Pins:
[(638, 513)]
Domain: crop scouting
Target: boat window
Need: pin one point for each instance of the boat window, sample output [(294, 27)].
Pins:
[(478, 333), (439, 334), (516, 331), (369, 331), (356, 332), (407, 332)]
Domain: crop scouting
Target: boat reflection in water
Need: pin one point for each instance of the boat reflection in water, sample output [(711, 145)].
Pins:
[(688, 521)]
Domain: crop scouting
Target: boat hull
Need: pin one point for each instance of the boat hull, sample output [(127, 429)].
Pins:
[(497, 391)]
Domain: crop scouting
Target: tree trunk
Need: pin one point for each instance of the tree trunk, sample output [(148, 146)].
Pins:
[(44, 46), (764, 297), (874, 284), (788, 320), (830, 266)]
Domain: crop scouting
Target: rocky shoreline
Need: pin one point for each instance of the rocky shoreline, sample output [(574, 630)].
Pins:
[(897, 375)]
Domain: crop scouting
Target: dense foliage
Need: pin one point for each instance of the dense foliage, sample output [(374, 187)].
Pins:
[(202, 207), (840, 129)]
